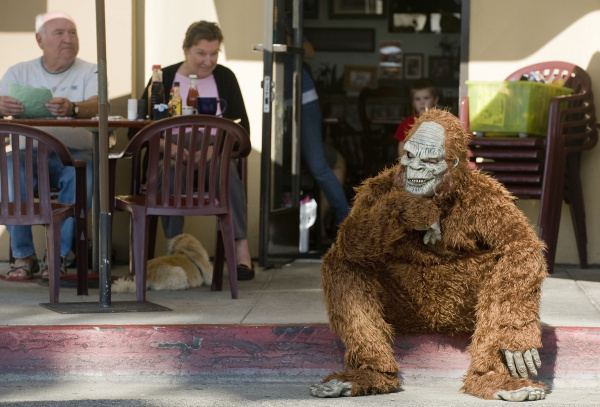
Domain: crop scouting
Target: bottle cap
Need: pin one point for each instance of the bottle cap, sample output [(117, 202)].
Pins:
[(155, 66), (192, 76)]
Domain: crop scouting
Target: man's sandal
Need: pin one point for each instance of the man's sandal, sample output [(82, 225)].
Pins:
[(63, 266), (30, 269)]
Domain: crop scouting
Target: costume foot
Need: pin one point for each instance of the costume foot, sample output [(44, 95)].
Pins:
[(332, 388), (23, 269), (525, 394)]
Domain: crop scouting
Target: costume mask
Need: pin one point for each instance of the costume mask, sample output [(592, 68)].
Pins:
[(424, 159)]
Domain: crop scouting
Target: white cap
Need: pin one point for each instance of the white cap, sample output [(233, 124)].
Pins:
[(42, 19)]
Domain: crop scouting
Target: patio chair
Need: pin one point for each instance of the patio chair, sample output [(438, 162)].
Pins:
[(547, 168), (204, 192), (38, 207), (380, 110)]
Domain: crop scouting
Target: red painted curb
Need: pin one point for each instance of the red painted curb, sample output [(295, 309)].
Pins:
[(187, 350)]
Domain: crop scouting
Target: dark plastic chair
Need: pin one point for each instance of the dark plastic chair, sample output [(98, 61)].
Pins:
[(42, 210), (547, 168), (380, 110), (211, 175)]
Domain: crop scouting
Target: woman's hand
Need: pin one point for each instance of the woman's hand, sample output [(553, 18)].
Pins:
[(198, 155)]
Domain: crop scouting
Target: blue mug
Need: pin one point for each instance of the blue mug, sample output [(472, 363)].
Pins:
[(209, 105)]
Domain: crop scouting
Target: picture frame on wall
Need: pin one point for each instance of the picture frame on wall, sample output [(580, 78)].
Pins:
[(441, 67), (337, 39), (413, 66), (310, 9), (357, 8), (358, 77)]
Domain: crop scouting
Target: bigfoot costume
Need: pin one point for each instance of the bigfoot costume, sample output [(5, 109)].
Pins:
[(433, 247)]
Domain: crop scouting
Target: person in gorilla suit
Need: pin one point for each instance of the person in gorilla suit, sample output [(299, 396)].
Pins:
[(431, 246)]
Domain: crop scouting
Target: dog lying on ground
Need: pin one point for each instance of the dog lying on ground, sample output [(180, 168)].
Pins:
[(186, 265)]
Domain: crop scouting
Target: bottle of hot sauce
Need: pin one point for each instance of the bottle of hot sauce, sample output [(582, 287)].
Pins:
[(192, 96), (175, 102)]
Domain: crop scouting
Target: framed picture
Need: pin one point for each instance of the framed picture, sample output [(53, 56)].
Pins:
[(441, 67), (413, 66), (311, 9), (358, 77), (357, 8), (341, 39)]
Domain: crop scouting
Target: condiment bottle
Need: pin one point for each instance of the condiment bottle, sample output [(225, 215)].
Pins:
[(156, 96), (175, 102), (192, 97)]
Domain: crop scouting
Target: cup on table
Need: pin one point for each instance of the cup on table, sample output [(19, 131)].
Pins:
[(187, 110), (142, 109), (132, 109), (209, 105)]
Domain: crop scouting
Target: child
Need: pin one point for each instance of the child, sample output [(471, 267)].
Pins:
[(424, 96)]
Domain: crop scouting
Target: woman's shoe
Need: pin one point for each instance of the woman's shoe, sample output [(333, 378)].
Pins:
[(245, 273)]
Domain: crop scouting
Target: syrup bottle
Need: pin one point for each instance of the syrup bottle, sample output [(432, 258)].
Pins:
[(192, 97)]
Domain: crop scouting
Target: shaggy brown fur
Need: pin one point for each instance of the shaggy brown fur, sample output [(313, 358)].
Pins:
[(483, 277), (186, 265)]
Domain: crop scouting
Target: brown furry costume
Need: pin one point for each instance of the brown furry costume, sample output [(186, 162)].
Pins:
[(483, 277)]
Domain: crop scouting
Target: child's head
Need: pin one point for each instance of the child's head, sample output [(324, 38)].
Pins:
[(424, 95)]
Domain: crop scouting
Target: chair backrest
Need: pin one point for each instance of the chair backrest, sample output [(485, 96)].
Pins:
[(31, 201), (209, 175), (572, 75), (380, 110)]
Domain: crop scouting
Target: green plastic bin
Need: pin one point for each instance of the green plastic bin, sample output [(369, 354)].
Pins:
[(519, 107)]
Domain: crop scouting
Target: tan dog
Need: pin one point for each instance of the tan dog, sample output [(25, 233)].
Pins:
[(186, 265)]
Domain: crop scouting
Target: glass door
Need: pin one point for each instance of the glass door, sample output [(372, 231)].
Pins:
[(280, 162)]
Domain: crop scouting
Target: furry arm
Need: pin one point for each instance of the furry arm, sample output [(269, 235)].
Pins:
[(509, 296), (383, 212)]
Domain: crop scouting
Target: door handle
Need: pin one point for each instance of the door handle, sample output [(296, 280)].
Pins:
[(276, 48)]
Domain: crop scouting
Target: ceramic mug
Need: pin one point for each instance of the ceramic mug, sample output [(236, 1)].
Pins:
[(187, 110), (209, 105)]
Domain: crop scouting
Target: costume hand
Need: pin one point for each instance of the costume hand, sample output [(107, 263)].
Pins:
[(433, 233), (10, 106), (60, 107), (522, 364), (332, 388)]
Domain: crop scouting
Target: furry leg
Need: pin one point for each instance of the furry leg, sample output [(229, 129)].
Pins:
[(355, 308)]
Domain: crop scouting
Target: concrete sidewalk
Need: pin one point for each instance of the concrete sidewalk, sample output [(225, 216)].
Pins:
[(287, 295)]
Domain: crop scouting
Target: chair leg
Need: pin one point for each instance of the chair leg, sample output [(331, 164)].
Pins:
[(551, 201), (230, 257), (139, 248), (217, 282), (153, 227), (82, 253), (577, 207), (53, 259)]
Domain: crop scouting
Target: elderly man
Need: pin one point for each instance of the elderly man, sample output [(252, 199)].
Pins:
[(74, 86)]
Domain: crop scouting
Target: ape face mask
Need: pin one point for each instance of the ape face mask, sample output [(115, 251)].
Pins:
[(424, 164)]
